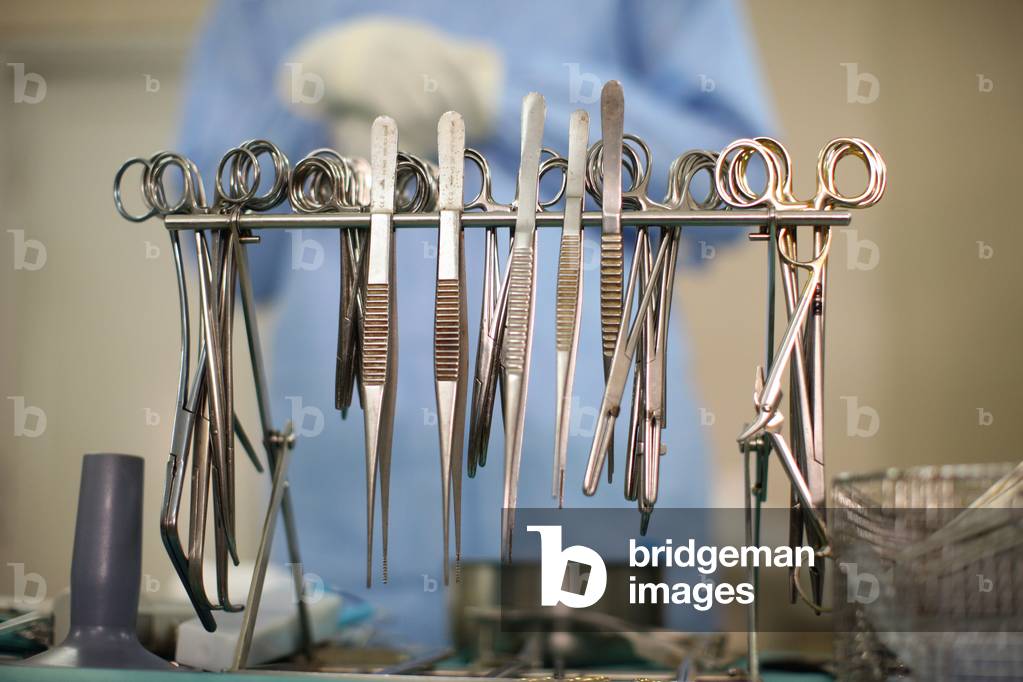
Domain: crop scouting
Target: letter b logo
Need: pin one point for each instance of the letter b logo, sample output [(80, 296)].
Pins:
[(856, 579), (554, 565)]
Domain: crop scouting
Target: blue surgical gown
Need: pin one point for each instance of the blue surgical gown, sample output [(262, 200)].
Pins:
[(690, 78)]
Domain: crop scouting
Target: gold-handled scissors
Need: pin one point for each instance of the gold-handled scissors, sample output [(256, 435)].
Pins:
[(734, 187), (802, 345)]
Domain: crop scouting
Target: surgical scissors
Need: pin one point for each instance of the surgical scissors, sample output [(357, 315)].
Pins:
[(806, 469), (605, 160), (242, 194), (221, 268), (733, 186), (450, 341), (621, 359), (186, 407), (495, 292), (278, 444), (192, 403), (646, 339), (324, 181), (681, 176)]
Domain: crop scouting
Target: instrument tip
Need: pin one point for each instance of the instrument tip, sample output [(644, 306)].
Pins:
[(610, 463), (758, 424)]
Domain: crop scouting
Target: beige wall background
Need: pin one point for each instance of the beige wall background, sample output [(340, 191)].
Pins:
[(924, 340), (931, 334)]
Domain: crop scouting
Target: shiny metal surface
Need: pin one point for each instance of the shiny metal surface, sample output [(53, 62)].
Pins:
[(367, 201), (451, 328)]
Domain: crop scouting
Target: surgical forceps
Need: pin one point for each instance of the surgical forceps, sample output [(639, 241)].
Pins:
[(806, 449), (450, 340), (569, 292), (399, 182), (612, 121), (517, 339), (606, 159), (380, 330)]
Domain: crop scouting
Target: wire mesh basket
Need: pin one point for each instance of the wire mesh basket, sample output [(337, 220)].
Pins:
[(930, 579)]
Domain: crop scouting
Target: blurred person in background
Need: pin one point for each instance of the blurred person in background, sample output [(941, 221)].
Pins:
[(315, 74)]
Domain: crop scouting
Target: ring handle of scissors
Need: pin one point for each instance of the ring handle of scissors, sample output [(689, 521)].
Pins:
[(681, 175), (413, 171), (484, 199), (783, 164), (350, 176), (356, 174), (551, 163), (777, 193), (316, 185), (731, 180), (733, 184), (595, 172), (828, 160), (192, 196), (638, 196), (278, 190), (118, 200), (243, 178), (350, 185)]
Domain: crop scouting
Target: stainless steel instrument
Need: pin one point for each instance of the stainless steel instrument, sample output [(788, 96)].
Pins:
[(368, 201)]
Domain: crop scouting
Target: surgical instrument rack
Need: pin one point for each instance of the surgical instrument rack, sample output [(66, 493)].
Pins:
[(368, 201)]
